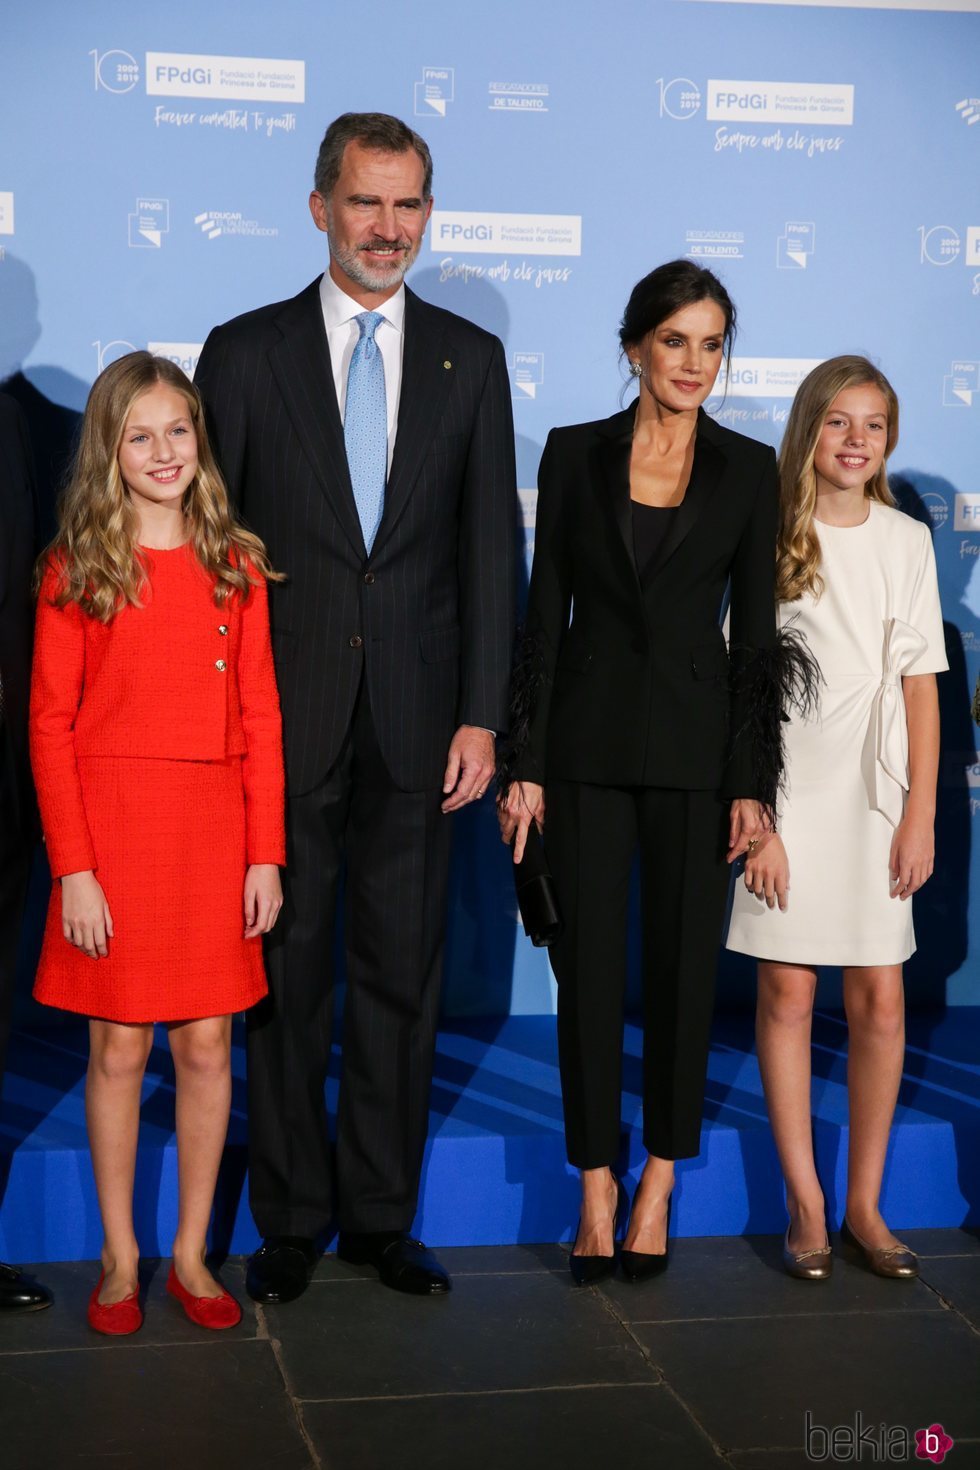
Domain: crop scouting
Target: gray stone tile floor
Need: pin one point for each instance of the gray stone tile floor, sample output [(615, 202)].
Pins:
[(724, 1361)]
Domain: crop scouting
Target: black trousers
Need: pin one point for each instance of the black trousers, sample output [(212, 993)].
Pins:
[(15, 867), (395, 846), (591, 838)]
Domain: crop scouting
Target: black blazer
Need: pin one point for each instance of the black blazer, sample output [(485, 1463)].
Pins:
[(17, 521), (637, 690), (428, 618)]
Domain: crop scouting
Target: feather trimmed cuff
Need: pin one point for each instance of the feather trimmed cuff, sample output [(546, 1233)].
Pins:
[(768, 683), (528, 680)]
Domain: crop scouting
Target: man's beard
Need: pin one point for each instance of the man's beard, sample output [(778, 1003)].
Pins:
[(372, 278)]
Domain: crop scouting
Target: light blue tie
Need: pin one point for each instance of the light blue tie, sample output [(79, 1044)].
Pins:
[(366, 426)]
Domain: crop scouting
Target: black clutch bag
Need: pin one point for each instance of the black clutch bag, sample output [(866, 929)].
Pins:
[(536, 896)]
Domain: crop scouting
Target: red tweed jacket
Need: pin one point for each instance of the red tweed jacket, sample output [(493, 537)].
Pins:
[(179, 678)]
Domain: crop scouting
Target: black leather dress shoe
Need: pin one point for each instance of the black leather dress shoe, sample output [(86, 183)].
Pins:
[(281, 1268), (18, 1293), (402, 1263)]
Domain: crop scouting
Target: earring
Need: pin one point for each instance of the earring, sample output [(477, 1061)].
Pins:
[(635, 369)]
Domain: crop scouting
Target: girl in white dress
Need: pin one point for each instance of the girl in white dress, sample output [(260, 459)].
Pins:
[(858, 578)]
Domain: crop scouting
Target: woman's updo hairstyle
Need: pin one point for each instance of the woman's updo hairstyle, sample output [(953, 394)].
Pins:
[(667, 289)]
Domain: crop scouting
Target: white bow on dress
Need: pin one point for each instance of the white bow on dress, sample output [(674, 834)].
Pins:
[(888, 732)]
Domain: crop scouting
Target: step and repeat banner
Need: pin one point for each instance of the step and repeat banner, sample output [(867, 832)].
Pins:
[(155, 164)]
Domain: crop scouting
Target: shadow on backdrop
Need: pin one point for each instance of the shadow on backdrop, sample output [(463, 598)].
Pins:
[(942, 907), (51, 398)]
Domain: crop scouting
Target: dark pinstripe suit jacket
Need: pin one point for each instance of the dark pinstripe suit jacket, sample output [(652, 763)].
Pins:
[(17, 522), (428, 617)]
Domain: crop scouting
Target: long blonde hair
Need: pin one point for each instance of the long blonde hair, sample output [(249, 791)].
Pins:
[(797, 546), (101, 566)]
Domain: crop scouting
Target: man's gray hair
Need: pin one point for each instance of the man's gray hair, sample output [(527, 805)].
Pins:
[(377, 130)]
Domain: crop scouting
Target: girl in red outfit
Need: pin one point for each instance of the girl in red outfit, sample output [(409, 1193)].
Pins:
[(156, 747)]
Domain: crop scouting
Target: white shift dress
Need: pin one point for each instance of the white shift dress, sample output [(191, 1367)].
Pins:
[(877, 618)]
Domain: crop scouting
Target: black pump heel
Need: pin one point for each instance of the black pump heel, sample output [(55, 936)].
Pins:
[(643, 1265), (588, 1270)]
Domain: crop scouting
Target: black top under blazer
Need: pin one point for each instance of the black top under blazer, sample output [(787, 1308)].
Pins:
[(17, 549), (637, 690), (428, 617)]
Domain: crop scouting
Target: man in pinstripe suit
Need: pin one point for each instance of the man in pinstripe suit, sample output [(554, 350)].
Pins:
[(392, 653)]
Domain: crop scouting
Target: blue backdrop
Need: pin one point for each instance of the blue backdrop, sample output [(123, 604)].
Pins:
[(154, 170)]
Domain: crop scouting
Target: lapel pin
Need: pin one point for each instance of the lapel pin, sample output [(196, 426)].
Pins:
[(447, 364)]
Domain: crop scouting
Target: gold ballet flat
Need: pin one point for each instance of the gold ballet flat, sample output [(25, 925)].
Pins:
[(812, 1265), (896, 1261)]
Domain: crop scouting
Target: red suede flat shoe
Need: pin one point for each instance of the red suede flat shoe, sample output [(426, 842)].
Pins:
[(216, 1312), (115, 1319)]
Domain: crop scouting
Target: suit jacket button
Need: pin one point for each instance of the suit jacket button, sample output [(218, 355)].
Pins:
[(223, 629), (220, 665), (356, 641), (369, 579)]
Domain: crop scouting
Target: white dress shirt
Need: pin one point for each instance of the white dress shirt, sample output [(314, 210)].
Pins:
[(339, 311)]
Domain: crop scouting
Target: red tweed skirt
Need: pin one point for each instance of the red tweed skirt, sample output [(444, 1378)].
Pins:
[(169, 839)]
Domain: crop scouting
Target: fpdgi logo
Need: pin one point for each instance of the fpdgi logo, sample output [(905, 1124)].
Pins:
[(960, 384), (966, 516), (149, 224), (824, 104), (680, 98), (764, 377), (184, 354), (268, 79), (435, 90), (115, 71), (526, 374), (939, 245), (476, 232), (795, 246), (969, 110)]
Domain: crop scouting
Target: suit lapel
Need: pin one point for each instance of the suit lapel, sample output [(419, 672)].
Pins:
[(425, 385), (301, 364), (706, 471), (612, 473), (612, 476)]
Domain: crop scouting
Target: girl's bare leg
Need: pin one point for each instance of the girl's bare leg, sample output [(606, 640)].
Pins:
[(783, 1022), (117, 1060), (874, 1000), (202, 1062)]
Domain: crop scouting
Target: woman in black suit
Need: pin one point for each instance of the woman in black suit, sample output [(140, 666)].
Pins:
[(643, 732)]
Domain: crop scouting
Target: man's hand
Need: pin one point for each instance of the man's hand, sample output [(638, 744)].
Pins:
[(469, 768)]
